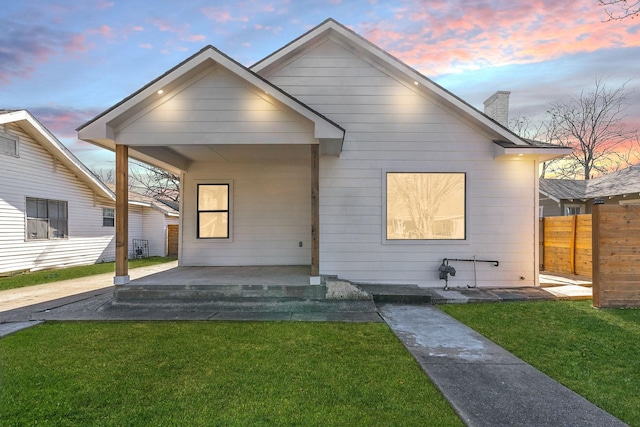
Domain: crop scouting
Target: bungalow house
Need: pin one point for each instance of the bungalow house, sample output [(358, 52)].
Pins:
[(559, 197), (333, 154), (53, 211)]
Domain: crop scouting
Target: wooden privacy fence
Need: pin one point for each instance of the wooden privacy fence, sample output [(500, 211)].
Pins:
[(566, 244), (616, 256)]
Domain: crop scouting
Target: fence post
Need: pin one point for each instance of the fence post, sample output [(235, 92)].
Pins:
[(596, 285), (572, 245)]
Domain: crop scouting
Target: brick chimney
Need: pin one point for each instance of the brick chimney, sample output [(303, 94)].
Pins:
[(497, 107)]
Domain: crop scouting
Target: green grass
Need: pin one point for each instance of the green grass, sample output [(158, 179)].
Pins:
[(596, 353), (47, 276), (214, 373)]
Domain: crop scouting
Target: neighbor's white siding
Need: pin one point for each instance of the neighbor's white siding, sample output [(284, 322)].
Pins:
[(35, 173), (271, 212), (154, 228), (394, 127)]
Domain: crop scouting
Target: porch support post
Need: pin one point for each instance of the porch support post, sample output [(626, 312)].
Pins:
[(315, 214), (122, 215)]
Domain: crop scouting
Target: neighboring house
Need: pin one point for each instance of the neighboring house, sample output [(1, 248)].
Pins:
[(560, 197), (53, 211), (149, 223), (332, 153)]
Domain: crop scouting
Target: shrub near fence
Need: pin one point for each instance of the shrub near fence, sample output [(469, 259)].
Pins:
[(567, 244)]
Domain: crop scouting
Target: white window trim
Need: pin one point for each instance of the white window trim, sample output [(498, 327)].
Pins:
[(440, 242), (230, 218), (114, 217), (48, 238)]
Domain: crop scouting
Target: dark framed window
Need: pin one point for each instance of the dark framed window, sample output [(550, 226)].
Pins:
[(108, 217), (425, 206), (46, 219), (213, 211)]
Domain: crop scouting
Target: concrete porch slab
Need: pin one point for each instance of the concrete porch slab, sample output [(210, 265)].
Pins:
[(289, 275)]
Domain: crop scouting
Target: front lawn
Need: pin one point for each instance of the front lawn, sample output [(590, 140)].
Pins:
[(596, 353), (47, 276), (214, 373)]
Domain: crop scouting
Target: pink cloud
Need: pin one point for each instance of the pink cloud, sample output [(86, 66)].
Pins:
[(105, 5), (217, 14), (444, 37), (103, 30), (78, 43), (182, 31), (61, 120), (24, 47), (146, 45)]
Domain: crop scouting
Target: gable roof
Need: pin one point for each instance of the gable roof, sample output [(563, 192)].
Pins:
[(41, 134), (101, 129), (507, 143), (620, 183)]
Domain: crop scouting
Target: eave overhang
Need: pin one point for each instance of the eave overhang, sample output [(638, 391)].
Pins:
[(542, 153)]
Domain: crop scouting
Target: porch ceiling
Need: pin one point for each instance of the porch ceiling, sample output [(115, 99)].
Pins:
[(236, 153)]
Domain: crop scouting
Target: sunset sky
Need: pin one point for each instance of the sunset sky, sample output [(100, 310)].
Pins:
[(68, 60)]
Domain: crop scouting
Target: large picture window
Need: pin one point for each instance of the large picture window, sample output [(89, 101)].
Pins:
[(425, 206), (46, 219), (213, 211)]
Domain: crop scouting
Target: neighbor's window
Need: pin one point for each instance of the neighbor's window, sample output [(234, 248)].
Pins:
[(423, 206), (46, 219), (108, 217), (572, 210), (8, 144), (213, 211)]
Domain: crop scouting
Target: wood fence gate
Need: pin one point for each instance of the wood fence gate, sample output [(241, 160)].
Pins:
[(566, 244)]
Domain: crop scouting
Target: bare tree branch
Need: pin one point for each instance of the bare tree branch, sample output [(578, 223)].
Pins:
[(108, 176), (593, 124), (618, 10), (154, 182)]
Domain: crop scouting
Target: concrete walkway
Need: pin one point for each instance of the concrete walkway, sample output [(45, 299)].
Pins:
[(11, 299), (485, 384)]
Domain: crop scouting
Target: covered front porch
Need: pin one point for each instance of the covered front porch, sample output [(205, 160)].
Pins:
[(262, 290), (224, 129)]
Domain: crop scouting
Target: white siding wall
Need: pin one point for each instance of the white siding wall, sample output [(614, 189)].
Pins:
[(271, 213), (35, 174), (154, 229), (219, 108), (392, 127)]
